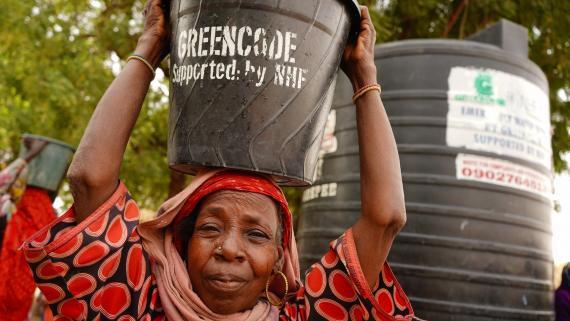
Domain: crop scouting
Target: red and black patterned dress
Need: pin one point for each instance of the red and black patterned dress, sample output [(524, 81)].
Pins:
[(98, 270)]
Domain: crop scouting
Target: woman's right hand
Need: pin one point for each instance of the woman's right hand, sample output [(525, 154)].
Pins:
[(154, 43), (34, 147)]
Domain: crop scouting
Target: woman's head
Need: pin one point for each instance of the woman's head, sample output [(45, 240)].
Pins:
[(234, 249), (565, 284), (233, 240)]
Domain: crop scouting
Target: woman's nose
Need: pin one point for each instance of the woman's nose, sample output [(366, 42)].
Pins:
[(232, 248)]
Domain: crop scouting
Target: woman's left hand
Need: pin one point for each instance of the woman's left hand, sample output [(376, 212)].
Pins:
[(358, 56)]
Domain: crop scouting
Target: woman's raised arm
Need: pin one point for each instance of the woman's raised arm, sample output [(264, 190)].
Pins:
[(94, 171), (382, 196)]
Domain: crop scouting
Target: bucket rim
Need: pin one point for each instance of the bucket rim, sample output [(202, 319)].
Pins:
[(281, 179), (49, 140), (355, 8)]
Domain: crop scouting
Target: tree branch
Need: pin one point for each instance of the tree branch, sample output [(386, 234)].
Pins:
[(454, 15)]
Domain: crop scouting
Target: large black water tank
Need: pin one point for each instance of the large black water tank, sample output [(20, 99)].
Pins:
[(472, 126)]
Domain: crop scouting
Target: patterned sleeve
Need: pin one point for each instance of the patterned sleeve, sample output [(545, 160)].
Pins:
[(335, 289), (95, 270)]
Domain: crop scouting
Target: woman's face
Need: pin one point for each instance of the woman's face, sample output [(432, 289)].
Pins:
[(245, 225)]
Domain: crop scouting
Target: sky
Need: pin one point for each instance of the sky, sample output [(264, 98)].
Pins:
[(561, 220)]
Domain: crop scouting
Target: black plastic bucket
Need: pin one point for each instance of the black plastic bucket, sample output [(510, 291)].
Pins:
[(48, 168), (252, 83)]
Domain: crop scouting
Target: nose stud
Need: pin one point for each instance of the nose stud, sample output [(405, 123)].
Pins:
[(219, 249)]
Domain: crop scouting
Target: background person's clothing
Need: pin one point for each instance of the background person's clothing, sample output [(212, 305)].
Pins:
[(562, 298), (16, 281), (12, 186), (99, 270)]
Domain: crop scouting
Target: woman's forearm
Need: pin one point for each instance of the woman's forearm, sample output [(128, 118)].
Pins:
[(94, 171), (382, 198), (382, 193), (383, 211)]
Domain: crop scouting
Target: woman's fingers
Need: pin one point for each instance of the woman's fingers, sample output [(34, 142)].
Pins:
[(358, 56), (165, 5), (156, 12), (367, 32), (155, 37), (364, 44)]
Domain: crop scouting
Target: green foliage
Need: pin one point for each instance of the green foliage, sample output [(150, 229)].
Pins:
[(55, 63), (47, 80)]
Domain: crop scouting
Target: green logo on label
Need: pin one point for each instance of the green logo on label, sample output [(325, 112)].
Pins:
[(483, 85), (484, 88)]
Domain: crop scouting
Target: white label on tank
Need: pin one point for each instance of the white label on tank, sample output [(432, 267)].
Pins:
[(503, 173), (493, 111)]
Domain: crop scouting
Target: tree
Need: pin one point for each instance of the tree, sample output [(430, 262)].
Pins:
[(56, 60)]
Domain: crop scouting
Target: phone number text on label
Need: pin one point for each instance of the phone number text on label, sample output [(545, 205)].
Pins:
[(504, 173)]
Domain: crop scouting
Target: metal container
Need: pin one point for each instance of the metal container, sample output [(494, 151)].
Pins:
[(471, 122), (252, 83), (47, 170)]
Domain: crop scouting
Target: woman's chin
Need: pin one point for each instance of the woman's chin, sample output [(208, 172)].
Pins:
[(226, 307), (228, 297)]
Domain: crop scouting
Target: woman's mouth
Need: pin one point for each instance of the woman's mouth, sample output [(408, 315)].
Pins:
[(225, 282)]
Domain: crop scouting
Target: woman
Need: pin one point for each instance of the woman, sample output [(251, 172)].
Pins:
[(25, 210), (562, 296), (13, 178), (222, 249)]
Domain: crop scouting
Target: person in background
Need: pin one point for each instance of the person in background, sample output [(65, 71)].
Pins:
[(562, 296), (25, 210), (13, 182), (40, 310)]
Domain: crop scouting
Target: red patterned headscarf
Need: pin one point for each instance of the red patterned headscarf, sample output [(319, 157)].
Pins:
[(238, 181)]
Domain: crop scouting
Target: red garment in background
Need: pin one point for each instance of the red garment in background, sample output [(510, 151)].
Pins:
[(16, 281)]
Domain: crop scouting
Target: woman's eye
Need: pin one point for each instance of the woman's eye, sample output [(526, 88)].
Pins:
[(208, 228), (258, 234)]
